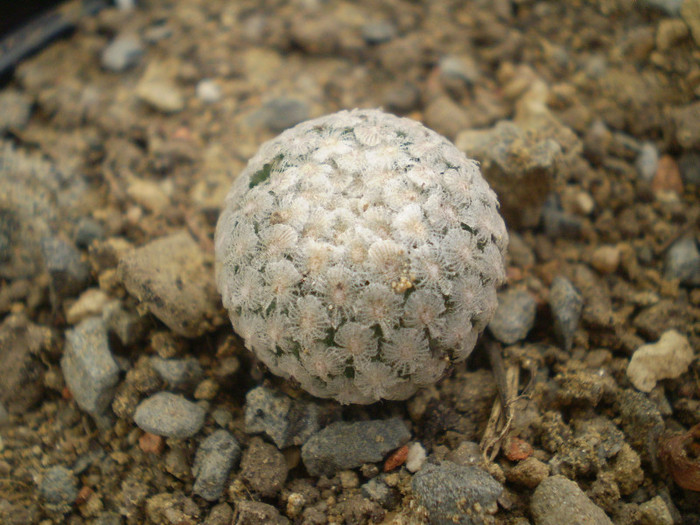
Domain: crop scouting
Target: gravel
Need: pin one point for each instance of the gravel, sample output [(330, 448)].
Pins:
[(514, 316), (566, 305), (285, 420), (559, 500), (58, 489), (263, 468), (169, 415), (213, 461), (455, 494), (344, 445), (88, 366)]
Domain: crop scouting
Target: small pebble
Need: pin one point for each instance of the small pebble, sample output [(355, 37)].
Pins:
[(606, 259), (669, 33), (647, 161), (378, 32), (90, 371), (213, 461), (667, 177), (683, 261), (280, 113), (668, 358), (15, 110), (263, 468), (179, 374), (528, 473), (221, 514), (557, 497), (123, 53), (690, 13), (454, 494), (514, 316), (655, 512), (343, 445), (169, 415), (416, 457), (285, 420), (58, 489), (689, 165), (566, 304), (257, 513), (687, 118), (160, 94), (90, 304), (151, 444), (208, 91), (69, 273), (88, 231), (376, 489)]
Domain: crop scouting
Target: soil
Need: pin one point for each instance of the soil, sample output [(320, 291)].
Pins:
[(105, 153)]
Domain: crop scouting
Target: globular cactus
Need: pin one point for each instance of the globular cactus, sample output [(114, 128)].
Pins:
[(359, 254)]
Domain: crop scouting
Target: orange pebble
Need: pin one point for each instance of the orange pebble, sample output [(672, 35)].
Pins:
[(516, 449), (83, 495), (668, 176), (151, 444), (396, 459)]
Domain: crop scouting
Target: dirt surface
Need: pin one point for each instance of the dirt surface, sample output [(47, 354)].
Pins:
[(133, 128)]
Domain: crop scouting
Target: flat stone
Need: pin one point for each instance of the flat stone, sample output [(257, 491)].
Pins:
[(514, 316), (22, 377), (263, 468), (171, 277), (455, 494), (169, 415), (566, 305), (90, 371), (213, 461), (666, 359), (284, 420), (559, 500), (342, 445)]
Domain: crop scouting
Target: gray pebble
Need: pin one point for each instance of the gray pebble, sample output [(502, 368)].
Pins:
[(376, 489), (520, 253), (280, 113), (683, 261), (559, 500), (455, 494), (557, 222), (127, 325), (169, 415), (286, 421), (566, 304), (689, 165), (180, 374), (69, 274), (213, 461), (343, 445), (378, 32), (90, 371), (264, 468), (647, 161), (257, 513), (208, 91), (670, 7), (514, 316), (88, 231), (58, 489), (461, 68), (122, 53), (15, 109), (221, 514)]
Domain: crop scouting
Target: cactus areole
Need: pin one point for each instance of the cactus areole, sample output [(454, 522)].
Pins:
[(359, 254)]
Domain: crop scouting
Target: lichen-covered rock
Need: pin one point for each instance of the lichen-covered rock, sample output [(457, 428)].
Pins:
[(359, 253)]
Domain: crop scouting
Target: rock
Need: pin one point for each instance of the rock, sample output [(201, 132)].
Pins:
[(213, 461), (376, 489), (683, 261), (127, 325), (263, 468), (687, 118), (378, 32), (514, 316), (566, 305), (690, 13), (22, 377), (123, 53), (666, 359), (559, 500), (528, 473), (660, 317), (86, 232), (90, 304), (90, 371), (169, 415), (416, 457), (15, 110), (606, 259), (520, 166), (171, 509), (58, 489), (667, 177), (446, 117), (159, 91), (285, 420), (280, 113), (558, 222), (68, 272), (208, 91), (454, 494), (519, 251), (647, 161), (179, 374), (655, 512), (343, 445), (689, 164), (257, 513), (221, 514), (458, 68), (172, 279), (670, 7)]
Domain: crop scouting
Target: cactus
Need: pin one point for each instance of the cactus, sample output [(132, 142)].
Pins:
[(359, 253)]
